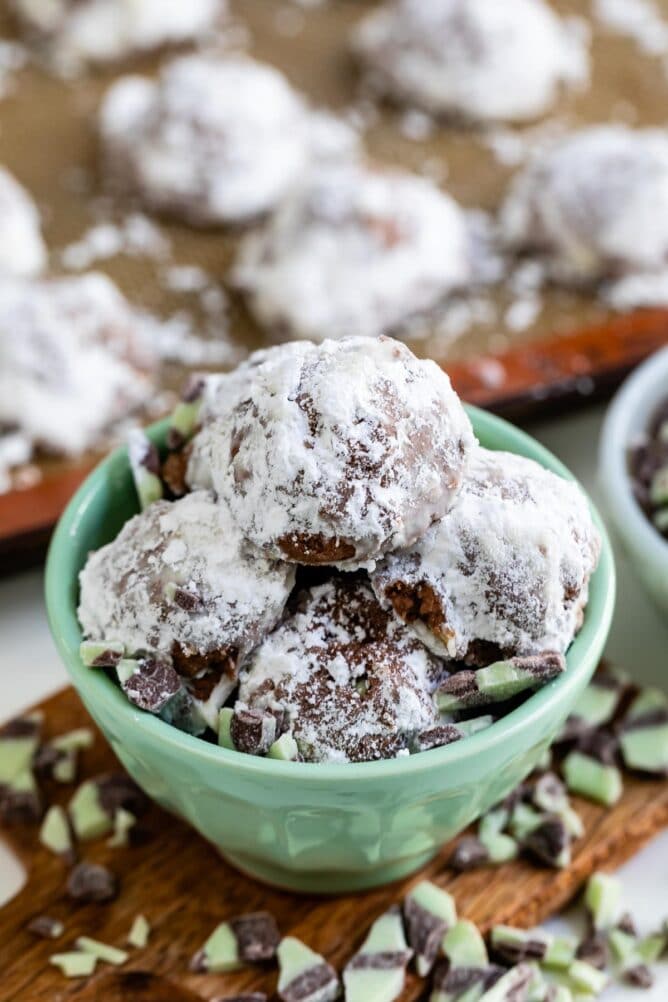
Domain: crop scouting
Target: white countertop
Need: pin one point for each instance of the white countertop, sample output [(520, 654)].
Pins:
[(30, 669)]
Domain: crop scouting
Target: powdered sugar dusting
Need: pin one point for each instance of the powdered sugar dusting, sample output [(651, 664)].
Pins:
[(355, 250), (352, 682), (341, 451), (478, 58), (508, 566)]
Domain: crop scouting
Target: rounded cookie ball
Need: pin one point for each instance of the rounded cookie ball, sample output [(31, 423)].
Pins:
[(355, 249), (75, 357), (595, 205), (344, 677), (22, 250), (179, 582), (342, 451), (204, 160), (505, 572), (72, 35), (482, 59)]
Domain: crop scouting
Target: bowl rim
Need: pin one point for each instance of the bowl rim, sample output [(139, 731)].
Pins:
[(640, 393), (536, 709)]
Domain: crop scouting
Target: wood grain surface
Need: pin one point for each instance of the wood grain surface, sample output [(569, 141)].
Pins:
[(184, 888)]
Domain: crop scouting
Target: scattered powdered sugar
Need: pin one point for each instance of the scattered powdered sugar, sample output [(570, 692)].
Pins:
[(478, 58), (179, 581), (134, 236), (213, 162), (350, 682), (22, 250), (354, 250), (178, 339), (101, 31), (340, 451), (508, 566), (74, 358), (641, 20), (595, 205)]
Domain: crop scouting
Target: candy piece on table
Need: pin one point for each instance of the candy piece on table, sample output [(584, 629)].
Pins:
[(586, 978), (185, 416), (594, 949), (462, 984), (89, 817), (559, 993), (524, 819), (46, 927), (549, 795), (596, 706), (550, 841), (91, 882), (140, 931), (494, 821), (20, 802), (55, 833), (124, 822), (515, 946), (513, 986), (429, 912), (246, 939), (589, 778), (284, 748), (109, 954), (145, 467), (464, 946), (599, 744), (305, 976), (101, 655), (603, 896), (644, 736), (648, 701), (148, 682), (469, 853), (19, 740), (377, 971), (498, 682), (74, 964), (501, 848)]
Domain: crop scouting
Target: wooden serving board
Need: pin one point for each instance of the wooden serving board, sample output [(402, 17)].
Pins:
[(184, 888)]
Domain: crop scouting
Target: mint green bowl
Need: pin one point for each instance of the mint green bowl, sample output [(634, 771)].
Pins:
[(310, 827)]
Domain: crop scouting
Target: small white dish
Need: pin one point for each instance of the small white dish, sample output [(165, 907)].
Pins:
[(628, 417)]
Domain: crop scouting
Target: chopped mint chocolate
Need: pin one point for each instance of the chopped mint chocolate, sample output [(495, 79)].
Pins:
[(602, 899), (464, 946), (74, 964), (511, 986), (109, 954), (429, 912), (550, 842), (436, 737), (145, 467), (284, 748), (515, 946), (20, 802), (644, 736), (77, 740), (139, 932), (56, 834), (587, 777), (98, 654), (594, 950), (377, 971), (463, 984), (585, 978), (253, 731), (90, 882), (181, 712), (596, 706), (149, 683), (19, 797), (469, 853), (305, 976), (498, 682), (89, 818), (246, 939), (124, 822), (46, 927)]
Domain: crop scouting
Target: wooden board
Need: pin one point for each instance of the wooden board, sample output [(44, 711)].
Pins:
[(573, 350), (181, 884)]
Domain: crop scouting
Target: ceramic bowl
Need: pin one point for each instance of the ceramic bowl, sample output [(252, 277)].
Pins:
[(627, 419), (313, 827)]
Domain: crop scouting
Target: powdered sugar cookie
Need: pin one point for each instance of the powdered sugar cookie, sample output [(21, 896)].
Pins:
[(505, 572), (179, 582), (481, 59), (345, 678), (22, 250), (74, 358), (101, 31), (355, 250), (595, 205), (208, 161), (340, 452)]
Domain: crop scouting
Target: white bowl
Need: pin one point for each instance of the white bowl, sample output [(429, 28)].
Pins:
[(627, 420)]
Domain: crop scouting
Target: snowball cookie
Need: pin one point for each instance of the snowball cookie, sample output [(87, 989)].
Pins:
[(210, 161), (74, 358), (595, 205), (179, 581), (22, 250), (100, 31), (342, 451), (484, 59), (347, 680), (505, 572), (355, 249)]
